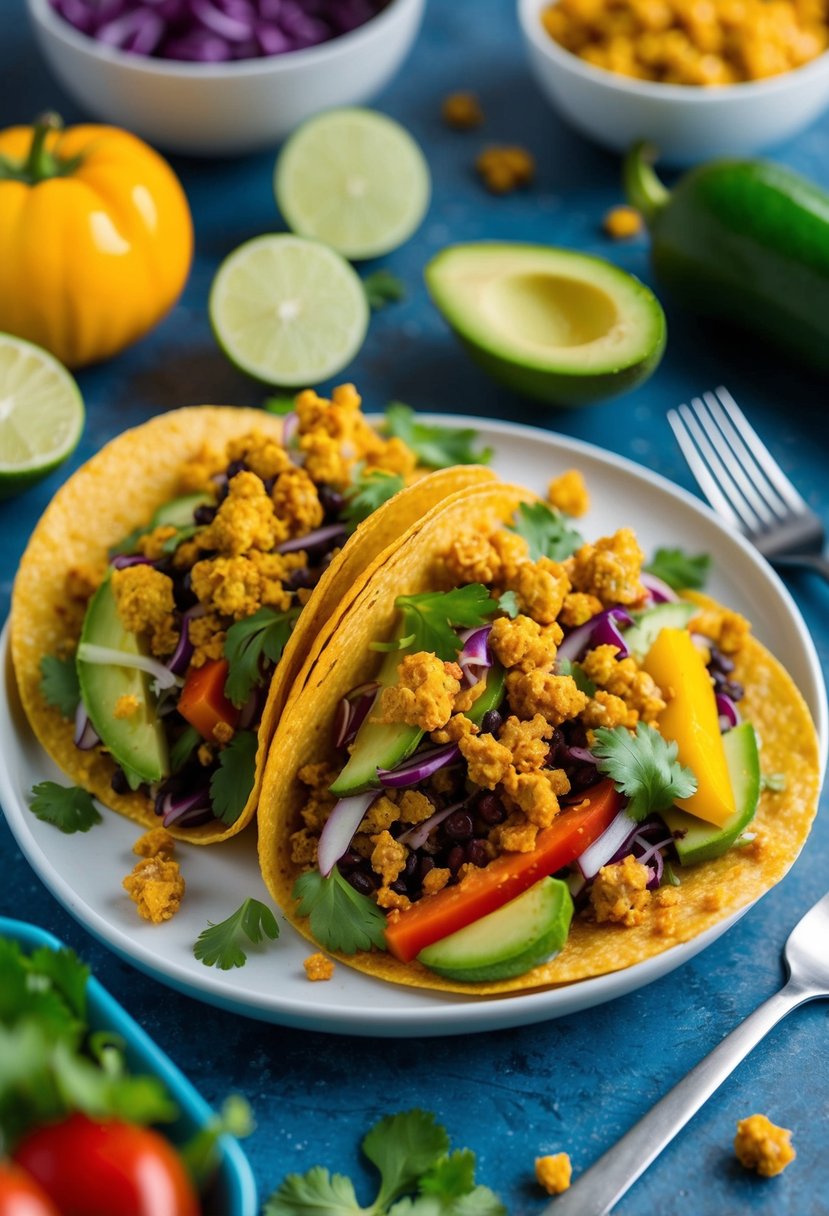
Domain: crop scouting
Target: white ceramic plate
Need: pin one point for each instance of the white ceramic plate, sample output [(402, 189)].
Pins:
[(84, 871)]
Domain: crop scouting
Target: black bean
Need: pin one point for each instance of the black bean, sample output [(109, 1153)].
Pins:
[(410, 868), (361, 881), (491, 809), (456, 857), (119, 782), (719, 661), (491, 722), (303, 577), (398, 886), (350, 860), (424, 865), (235, 466), (331, 500), (476, 852), (204, 514), (458, 826), (733, 689)]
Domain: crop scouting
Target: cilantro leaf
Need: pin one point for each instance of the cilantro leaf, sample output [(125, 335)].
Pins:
[(508, 604), (547, 531), (315, 1192), (382, 288), (433, 616), (436, 447), (372, 488), (69, 808), (179, 536), (232, 781), (679, 569), (59, 683), (404, 1147), (222, 944), (644, 767), (183, 748), (451, 1177), (279, 405), (263, 635), (341, 918)]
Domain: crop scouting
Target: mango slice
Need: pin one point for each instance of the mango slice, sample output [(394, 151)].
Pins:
[(691, 719)]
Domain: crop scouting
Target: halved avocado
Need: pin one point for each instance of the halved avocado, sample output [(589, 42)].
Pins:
[(560, 326), (696, 840), (137, 742), (515, 938)]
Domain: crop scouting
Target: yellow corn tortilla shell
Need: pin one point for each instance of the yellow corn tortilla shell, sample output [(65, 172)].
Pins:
[(117, 491), (709, 892)]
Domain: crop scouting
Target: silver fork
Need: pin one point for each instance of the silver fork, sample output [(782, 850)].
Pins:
[(807, 962), (744, 484)]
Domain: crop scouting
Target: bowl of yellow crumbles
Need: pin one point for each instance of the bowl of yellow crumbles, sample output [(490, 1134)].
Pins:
[(697, 78)]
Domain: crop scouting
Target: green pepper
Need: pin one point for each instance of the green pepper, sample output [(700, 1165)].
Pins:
[(743, 241)]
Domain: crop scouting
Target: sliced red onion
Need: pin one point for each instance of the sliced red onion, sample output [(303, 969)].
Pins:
[(475, 658), (107, 656), (658, 589), (351, 712), (122, 560), (419, 768), (85, 737), (319, 538), (186, 810), (290, 426), (728, 712), (612, 839), (139, 32), (599, 630), (340, 827), (231, 27), (581, 754), (655, 869), (251, 711), (415, 837)]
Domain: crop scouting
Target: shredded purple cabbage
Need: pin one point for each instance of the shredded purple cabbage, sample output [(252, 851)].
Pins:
[(215, 31)]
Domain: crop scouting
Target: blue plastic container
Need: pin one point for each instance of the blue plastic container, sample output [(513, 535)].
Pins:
[(233, 1190)]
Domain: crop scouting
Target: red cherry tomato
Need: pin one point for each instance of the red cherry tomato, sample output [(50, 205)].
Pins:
[(20, 1195), (107, 1169)]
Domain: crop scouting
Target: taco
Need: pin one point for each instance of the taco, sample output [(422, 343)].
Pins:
[(166, 599), (520, 761)]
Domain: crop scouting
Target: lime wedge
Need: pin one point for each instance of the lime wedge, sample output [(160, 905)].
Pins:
[(354, 180), (41, 414), (288, 311)]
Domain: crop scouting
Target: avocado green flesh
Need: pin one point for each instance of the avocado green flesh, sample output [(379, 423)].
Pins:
[(178, 512), (137, 743), (386, 745), (515, 938), (561, 326), (647, 625), (696, 840)]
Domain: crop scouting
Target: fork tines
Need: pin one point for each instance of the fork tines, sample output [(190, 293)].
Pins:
[(734, 469)]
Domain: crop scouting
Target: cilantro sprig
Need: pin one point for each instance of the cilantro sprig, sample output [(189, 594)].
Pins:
[(261, 636), (59, 684), (644, 767), (680, 570), (50, 1064), (68, 808), (436, 447), (547, 531), (432, 617), (383, 288), (232, 781), (341, 918), (418, 1177), (368, 492), (223, 944)]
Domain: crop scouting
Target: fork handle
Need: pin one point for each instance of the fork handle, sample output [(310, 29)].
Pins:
[(596, 1192), (812, 561)]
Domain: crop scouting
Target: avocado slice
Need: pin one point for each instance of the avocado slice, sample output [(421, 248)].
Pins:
[(177, 513), (696, 840), (385, 745), (137, 743), (641, 635), (515, 938), (560, 326)]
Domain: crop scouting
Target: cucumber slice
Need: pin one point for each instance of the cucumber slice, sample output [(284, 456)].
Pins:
[(641, 635), (515, 938), (697, 840), (138, 743)]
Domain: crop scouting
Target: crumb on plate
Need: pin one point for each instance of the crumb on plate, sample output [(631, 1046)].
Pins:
[(762, 1146), (318, 967), (553, 1172)]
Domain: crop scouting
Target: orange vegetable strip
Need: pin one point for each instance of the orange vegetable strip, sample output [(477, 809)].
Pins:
[(203, 702)]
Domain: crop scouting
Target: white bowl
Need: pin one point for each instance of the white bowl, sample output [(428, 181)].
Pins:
[(686, 123), (225, 109)]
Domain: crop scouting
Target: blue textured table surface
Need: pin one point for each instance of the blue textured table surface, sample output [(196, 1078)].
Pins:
[(578, 1083)]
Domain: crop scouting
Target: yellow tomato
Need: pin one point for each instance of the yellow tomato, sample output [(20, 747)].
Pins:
[(96, 238)]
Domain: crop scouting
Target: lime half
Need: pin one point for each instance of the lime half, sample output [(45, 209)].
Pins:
[(41, 414), (354, 180), (288, 311)]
